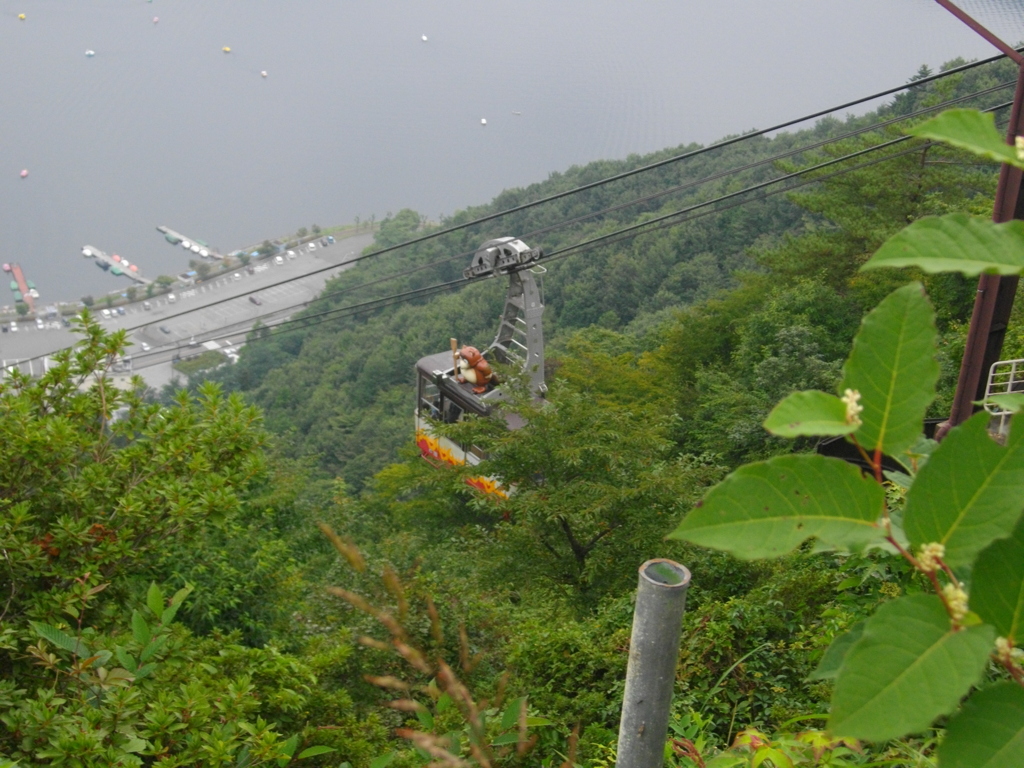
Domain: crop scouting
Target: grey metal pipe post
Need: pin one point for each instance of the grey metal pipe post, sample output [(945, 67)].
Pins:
[(651, 671)]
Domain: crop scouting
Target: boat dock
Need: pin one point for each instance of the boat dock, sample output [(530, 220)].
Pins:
[(189, 244), (23, 287), (115, 264)]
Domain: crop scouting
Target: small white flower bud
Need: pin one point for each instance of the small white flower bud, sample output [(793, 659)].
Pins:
[(956, 599), (1019, 143), (1004, 651), (853, 407), (929, 555)]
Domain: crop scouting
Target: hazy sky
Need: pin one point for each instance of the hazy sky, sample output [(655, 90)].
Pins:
[(359, 116)]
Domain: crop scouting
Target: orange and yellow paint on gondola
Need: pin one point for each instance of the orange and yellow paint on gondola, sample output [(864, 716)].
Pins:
[(434, 450)]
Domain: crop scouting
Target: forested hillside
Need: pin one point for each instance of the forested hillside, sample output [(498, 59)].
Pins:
[(263, 571), (341, 391)]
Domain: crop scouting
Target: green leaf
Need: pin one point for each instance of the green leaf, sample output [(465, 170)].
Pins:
[(140, 629), (893, 366), (997, 585), (61, 639), (809, 413), (1011, 402), (968, 494), (908, 668), (767, 508), (135, 744), (144, 670), (154, 647), (289, 749), (102, 657), (314, 751), (972, 130), (537, 722), (155, 600), (444, 703), (835, 654), (956, 242), (988, 732), (383, 761), (510, 718), (426, 719), (125, 659)]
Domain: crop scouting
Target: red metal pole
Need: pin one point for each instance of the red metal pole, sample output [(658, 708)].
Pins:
[(994, 299)]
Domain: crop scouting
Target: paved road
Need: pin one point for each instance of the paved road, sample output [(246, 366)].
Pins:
[(230, 319)]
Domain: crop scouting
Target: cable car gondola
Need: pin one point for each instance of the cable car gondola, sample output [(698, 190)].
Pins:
[(455, 382)]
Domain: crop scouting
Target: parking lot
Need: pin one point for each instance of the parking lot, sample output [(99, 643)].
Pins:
[(218, 308)]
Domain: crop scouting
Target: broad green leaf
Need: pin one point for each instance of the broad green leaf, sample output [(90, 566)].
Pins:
[(152, 648), (997, 585), (289, 749), (969, 493), (145, 670), (893, 366), (102, 657), (125, 659), (383, 761), (506, 738), (510, 718), (444, 703), (314, 751), (767, 508), (135, 744), (140, 629), (155, 600), (538, 722), (61, 639), (972, 130), (908, 668), (956, 242), (835, 654), (809, 413), (1011, 402), (988, 732), (426, 719)]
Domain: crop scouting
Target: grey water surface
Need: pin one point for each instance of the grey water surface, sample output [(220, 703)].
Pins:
[(358, 116)]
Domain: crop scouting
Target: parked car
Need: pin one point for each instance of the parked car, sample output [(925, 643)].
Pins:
[(40, 324), (330, 239), (192, 342), (292, 254), (171, 298), (323, 241), (14, 326), (255, 300), (237, 275), (4, 328), (120, 310), (147, 305), (279, 260), (105, 313), (146, 347), (312, 246), (165, 329), (250, 269)]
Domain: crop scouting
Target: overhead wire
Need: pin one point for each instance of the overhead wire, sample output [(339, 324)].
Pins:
[(583, 217), (677, 188), (626, 174), (625, 233)]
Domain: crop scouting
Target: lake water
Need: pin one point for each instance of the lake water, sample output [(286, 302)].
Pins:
[(358, 116)]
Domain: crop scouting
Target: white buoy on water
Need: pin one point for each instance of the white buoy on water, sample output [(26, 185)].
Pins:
[(24, 174), (263, 73), (90, 53), (424, 38), (156, 19), (483, 121)]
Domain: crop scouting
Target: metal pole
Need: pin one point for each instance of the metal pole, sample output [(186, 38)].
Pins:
[(651, 671), (994, 298)]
